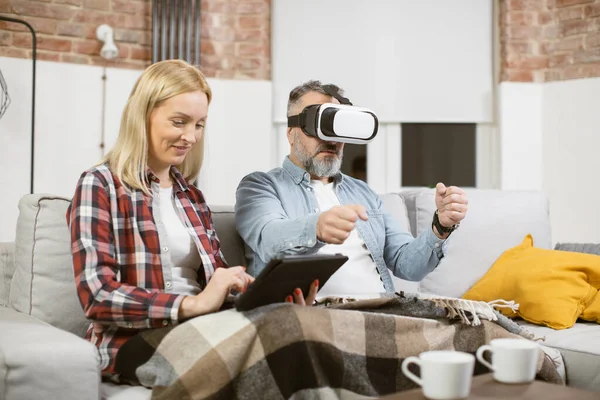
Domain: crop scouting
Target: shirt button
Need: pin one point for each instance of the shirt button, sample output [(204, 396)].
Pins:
[(165, 248), (168, 284), (316, 210), (165, 322), (311, 242), (290, 244), (158, 222), (309, 189), (437, 245)]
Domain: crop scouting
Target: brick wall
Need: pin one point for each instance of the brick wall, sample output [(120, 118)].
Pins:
[(235, 38), (549, 40)]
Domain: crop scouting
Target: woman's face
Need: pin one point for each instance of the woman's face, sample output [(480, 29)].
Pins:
[(175, 126)]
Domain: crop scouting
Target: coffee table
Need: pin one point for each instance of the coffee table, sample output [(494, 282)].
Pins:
[(485, 387)]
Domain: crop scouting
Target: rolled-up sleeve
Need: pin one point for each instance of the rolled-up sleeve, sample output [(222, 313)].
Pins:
[(407, 257), (264, 225)]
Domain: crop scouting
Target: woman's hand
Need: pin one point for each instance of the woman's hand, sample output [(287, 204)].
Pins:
[(298, 296), (212, 297)]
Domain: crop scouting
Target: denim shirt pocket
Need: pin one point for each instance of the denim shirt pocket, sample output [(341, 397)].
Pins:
[(376, 223)]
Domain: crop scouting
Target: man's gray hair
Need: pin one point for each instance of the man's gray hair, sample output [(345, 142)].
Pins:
[(306, 87)]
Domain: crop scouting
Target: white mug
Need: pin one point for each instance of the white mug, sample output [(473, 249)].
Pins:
[(513, 360), (445, 375)]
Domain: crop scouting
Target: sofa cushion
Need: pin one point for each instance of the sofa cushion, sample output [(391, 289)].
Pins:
[(589, 248), (7, 270), (393, 203), (43, 362), (113, 391), (579, 348), (409, 197), (43, 284), (495, 222), (232, 245), (552, 287)]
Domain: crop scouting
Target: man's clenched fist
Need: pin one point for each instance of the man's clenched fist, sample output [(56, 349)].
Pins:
[(334, 226), (451, 203)]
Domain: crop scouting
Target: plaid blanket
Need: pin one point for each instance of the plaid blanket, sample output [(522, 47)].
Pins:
[(285, 351)]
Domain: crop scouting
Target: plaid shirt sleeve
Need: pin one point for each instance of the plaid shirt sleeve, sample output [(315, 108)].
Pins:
[(206, 218), (215, 244), (102, 296)]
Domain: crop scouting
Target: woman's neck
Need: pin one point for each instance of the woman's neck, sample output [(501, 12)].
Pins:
[(163, 175)]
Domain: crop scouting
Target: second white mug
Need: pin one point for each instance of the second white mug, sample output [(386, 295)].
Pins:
[(513, 360)]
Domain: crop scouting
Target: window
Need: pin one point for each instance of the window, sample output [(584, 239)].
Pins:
[(354, 162), (436, 152)]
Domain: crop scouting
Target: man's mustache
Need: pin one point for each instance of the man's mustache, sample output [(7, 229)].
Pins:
[(329, 148)]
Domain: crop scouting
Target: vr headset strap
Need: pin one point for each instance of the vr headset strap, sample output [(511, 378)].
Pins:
[(335, 94), (299, 120), (294, 120)]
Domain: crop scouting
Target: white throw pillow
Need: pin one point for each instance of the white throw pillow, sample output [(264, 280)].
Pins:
[(496, 221), (43, 284), (7, 269)]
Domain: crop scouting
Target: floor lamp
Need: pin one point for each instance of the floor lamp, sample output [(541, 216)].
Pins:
[(34, 46)]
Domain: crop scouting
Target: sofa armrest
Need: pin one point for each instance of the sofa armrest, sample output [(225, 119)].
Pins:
[(39, 361), (7, 269)]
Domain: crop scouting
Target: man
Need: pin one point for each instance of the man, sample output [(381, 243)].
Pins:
[(308, 206)]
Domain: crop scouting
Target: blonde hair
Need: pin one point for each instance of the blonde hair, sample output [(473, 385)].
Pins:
[(128, 158)]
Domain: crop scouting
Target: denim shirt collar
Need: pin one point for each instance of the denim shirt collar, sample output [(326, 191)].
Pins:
[(299, 175)]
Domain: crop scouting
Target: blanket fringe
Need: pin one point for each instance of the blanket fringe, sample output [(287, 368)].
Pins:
[(459, 308), (469, 312), (501, 303)]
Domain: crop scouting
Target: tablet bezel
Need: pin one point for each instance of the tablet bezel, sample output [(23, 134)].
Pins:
[(284, 274)]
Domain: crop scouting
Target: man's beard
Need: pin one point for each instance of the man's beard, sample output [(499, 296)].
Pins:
[(324, 167)]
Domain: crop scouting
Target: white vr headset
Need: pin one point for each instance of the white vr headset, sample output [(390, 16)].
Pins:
[(331, 122)]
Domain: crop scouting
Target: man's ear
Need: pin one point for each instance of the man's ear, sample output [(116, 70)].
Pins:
[(290, 135)]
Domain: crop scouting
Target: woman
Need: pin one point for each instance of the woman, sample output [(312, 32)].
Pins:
[(145, 252)]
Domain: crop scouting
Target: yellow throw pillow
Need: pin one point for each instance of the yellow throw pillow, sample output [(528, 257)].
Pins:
[(551, 286), (592, 311)]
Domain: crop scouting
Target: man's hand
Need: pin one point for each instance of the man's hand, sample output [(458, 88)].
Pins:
[(451, 203), (334, 226)]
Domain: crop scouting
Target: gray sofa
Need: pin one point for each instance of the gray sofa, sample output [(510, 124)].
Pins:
[(43, 354)]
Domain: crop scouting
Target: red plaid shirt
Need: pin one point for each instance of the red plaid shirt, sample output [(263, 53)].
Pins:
[(117, 256)]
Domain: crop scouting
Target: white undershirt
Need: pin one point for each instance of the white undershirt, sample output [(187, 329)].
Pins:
[(184, 254), (359, 275)]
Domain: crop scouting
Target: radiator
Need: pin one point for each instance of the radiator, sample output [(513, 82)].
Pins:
[(176, 30)]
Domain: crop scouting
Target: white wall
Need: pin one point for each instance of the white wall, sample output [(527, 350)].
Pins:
[(410, 61), (550, 142), (239, 139), (69, 121), (520, 121), (68, 125), (15, 131), (571, 165)]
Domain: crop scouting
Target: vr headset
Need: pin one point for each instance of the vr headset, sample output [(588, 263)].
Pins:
[(331, 122)]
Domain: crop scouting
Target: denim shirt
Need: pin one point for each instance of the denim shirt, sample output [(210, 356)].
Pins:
[(276, 213)]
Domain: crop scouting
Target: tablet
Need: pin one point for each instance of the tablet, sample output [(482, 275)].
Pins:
[(284, 274)]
